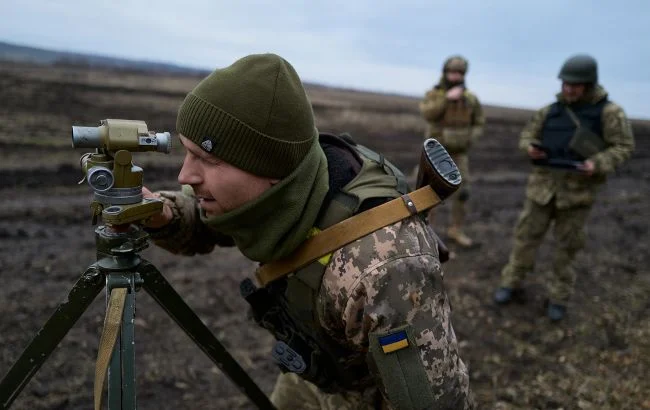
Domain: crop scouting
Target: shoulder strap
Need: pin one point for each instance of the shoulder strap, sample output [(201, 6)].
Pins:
[(573, 115), (347, 231), (378, 178)]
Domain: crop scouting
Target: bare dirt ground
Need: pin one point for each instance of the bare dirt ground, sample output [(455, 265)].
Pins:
[(597, 359)]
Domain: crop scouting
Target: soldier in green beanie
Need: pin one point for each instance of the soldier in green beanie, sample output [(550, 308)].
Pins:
[(582, 112), (258, 175)]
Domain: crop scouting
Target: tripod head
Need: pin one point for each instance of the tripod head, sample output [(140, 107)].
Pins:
[(110, 172)]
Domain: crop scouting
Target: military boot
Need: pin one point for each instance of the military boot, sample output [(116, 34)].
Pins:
[(505, 295), (556, 312), (459, 237)]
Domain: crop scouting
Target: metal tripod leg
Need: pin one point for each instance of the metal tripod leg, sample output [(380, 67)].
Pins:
[(47, 339), (163, 293)]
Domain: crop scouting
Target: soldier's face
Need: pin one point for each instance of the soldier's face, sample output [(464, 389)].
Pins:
[(573, 92), (454, 77), (220, 187)]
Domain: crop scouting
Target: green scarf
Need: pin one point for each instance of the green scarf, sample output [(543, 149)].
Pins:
[(273, 225), (443, 84)]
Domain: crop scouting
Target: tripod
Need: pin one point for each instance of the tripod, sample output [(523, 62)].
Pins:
[(119, 266)]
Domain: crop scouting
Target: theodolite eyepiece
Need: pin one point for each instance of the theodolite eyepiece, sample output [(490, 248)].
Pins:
[(113, 135)]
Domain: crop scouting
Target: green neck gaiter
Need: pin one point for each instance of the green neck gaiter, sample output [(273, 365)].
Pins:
[(444, 84), (274, 224)]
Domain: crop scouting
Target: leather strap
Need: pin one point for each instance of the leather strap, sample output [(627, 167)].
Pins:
[(112, 324), (347, 231), (409, 204), (573, 115)]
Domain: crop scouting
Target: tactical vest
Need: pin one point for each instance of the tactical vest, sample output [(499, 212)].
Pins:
[(453, 128), (558, 127), (288, 307), (458, 114)]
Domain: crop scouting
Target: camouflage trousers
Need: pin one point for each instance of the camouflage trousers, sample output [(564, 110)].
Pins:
[(459, 198), (531, 227), (292, 392)]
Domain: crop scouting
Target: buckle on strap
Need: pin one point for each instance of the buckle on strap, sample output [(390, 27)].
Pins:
[(409, 204)]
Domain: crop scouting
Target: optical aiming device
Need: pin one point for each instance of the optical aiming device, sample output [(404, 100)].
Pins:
[(110, 172), (117, 198)]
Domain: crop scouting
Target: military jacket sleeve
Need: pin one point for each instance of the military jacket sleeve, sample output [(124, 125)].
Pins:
[(619, 138), (478, 118), (432, 106), (386, 283), (186, 234), (532, 132)]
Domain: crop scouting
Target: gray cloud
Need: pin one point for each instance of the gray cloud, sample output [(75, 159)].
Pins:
[(515, 47)]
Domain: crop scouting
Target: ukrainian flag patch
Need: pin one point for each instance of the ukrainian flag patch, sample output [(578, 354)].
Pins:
[(325, 259), (393, 342)]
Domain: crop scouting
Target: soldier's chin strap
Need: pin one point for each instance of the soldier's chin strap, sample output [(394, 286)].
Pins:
[(347, 231)]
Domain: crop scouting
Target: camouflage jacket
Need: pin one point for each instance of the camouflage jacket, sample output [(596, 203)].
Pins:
[(571, 188), (386, 279), (456, 124)]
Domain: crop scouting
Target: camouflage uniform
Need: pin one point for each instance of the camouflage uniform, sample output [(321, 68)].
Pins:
[(384, 280), (369, 324), (563, 197), (457, 125)]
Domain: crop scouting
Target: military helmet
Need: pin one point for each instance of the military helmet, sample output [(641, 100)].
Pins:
[(580, 68), (456, 63)]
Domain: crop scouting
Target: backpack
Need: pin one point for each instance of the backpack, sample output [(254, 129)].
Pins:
[(287, 307)]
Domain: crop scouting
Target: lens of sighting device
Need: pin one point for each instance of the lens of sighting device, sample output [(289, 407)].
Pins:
[(164, 142), (86, 137), (124, 137)]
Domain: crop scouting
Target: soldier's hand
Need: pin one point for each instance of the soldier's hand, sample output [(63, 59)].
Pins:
[(588, 167), (536, 153), (454, 93), (163, 218)]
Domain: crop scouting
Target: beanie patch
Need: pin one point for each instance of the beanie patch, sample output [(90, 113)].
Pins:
[(207, 144)]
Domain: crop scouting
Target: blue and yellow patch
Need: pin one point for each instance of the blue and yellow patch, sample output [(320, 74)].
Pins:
[(393, 342)]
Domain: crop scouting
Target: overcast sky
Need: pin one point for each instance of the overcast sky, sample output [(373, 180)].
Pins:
[(515, 47)]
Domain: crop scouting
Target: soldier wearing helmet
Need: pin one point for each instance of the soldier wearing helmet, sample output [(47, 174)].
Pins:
[(565, 197), (455, 118)]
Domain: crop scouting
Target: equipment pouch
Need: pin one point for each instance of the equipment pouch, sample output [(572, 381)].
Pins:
[(586, 143)]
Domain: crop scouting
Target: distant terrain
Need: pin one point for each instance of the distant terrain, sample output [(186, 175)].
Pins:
[(599, 358), (34, 55)]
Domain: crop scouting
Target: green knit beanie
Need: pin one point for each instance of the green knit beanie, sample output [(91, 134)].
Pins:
[(254, 115)]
